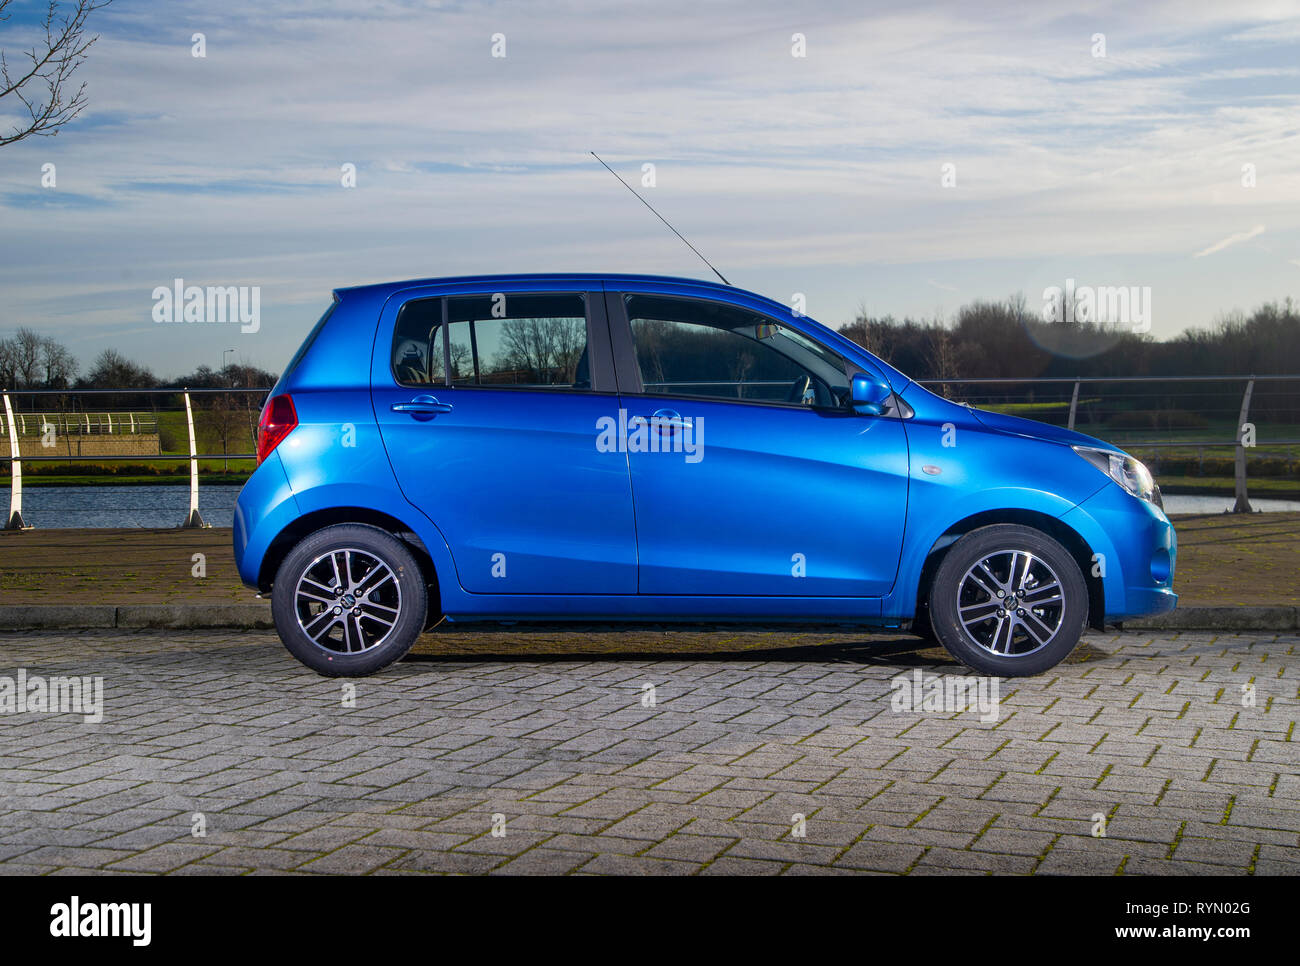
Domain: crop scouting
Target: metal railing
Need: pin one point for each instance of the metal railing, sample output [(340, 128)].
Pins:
[(1045, 396), (1243, 437), (82, 423), (47, 423)]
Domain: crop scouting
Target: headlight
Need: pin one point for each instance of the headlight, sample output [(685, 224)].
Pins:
[(1124, 470)]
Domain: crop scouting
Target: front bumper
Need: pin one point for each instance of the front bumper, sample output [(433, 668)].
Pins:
[(1135, 552)]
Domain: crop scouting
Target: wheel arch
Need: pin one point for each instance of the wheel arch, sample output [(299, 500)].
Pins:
[(309, 523), (1062, 533)]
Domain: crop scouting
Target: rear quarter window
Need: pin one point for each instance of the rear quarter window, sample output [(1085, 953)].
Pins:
[(417, 353)]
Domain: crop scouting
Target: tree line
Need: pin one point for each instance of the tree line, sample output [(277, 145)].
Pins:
[(1009, 340), (985, 339), (30, 360)]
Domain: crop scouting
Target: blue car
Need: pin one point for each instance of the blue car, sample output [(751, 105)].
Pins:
[(622, 447)]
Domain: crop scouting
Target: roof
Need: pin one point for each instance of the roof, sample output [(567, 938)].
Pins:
[(586, 278)]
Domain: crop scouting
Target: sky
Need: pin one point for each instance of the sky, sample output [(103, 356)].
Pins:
[(822, 174)]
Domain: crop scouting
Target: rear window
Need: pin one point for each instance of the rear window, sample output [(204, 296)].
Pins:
[(515, 341), (519, 341)]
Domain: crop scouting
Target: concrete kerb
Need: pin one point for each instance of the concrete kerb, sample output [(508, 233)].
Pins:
[(257, 616)]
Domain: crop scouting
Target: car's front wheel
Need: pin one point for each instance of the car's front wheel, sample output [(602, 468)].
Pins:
[(349, 600), (1008, 600)]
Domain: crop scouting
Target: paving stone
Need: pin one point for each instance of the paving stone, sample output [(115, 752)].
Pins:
[(542, 861), (709, 781)]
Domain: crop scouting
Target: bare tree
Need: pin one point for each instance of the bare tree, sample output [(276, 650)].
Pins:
[(43, 82), (547, 349), (59, 364), (112, 370), (225, 419), (650, 336), (8, 365), (941, 353), (27, 357), (1018, 305), (740, 365), (568, 340), (462, 365)]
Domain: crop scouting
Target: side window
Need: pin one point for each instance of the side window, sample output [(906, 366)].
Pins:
[(694, 347), (519, 341), (417, 344)]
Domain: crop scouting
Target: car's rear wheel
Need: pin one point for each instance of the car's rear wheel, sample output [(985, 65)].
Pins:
[(1008, 600), (349, 600)]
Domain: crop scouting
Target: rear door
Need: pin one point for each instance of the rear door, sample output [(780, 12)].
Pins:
[(750, 473), (489, 404)]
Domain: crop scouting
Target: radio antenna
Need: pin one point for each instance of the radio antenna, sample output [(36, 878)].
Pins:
[(661, 218)]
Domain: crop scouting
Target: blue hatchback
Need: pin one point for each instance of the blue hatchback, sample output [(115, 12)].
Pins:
[(607, 447)]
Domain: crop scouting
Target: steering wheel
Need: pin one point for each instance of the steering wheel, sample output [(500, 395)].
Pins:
[(799, 391)]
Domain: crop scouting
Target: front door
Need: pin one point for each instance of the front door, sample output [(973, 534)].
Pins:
[(751, 475)]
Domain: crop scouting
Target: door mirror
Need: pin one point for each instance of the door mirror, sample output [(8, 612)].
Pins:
[(869, 394)]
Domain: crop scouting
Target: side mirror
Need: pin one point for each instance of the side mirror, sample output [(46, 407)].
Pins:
[(869, 394)]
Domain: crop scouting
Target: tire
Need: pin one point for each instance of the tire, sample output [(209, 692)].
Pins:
[(964, 606), (392, 590)]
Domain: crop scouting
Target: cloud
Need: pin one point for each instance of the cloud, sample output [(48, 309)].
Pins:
[(1233, 239), (780, 169)]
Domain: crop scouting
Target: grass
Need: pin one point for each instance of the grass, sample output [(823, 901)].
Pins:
[(1217, 431), (134, 479), (1235, 559), (1028, 409), (1223, 560), (1277, 489)]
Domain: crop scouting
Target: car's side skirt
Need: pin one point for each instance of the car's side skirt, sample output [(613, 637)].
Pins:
[(665, 608)]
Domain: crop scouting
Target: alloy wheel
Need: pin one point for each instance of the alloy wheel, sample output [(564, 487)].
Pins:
[(348, 601), (1011, 603)]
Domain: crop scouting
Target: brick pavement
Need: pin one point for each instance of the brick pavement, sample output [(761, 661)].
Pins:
[(583, 773)]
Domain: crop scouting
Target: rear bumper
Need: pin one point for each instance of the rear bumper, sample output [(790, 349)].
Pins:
[(264, 508)]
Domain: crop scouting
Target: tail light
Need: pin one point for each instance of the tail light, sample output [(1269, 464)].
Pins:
[(277, 421)]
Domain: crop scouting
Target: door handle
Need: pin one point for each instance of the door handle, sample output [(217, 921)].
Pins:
[(668, 419), (422, 406)]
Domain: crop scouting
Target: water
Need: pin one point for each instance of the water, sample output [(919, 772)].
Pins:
[(1222, 504), (54, 507)]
